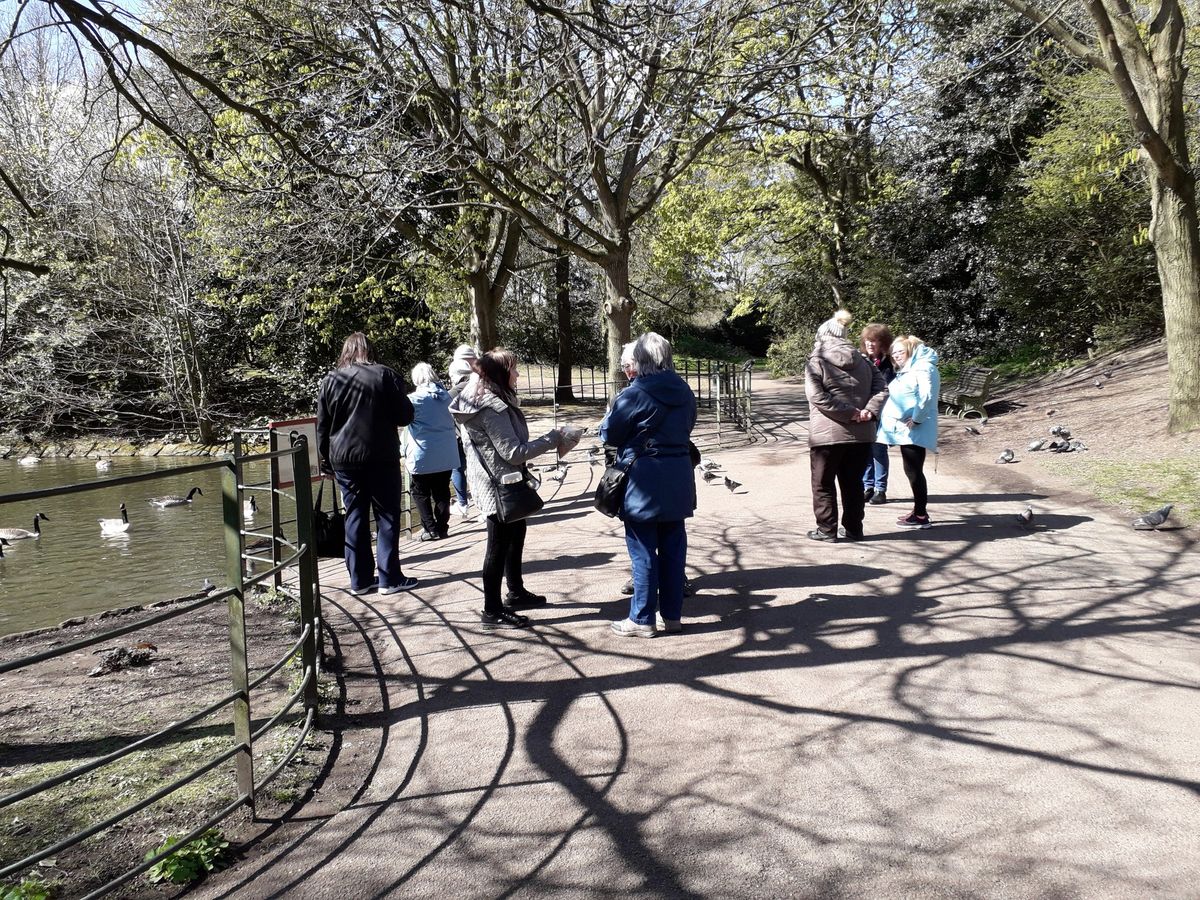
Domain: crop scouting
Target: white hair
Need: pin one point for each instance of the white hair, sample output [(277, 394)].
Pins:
[(627, 354), (423, 373), (652, 353)]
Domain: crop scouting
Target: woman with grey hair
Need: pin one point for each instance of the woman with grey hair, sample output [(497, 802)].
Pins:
[(650, 424), (431, 451)]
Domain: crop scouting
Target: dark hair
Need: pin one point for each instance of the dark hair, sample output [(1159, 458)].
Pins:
[(356, 349), (493, 369), (880, 334)]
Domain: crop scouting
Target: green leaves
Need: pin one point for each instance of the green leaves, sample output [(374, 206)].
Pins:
[(191, 862)]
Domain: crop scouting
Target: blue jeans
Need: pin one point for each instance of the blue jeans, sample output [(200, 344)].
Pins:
[(458, 477), (364, 489), (658, 551), (876, 473)]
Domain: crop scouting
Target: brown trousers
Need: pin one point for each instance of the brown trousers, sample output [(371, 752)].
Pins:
[(843, 464)]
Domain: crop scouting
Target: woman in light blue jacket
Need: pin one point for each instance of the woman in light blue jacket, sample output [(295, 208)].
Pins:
[(431, 452), (910, 419)]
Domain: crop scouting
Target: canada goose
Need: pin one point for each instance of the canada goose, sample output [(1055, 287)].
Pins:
[(3, 544), (103, 465), (20, 534), (249, 508), (115, 526), (164, 502), (28, 461)]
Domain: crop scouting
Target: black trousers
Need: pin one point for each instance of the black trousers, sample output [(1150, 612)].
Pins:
[(834, 467), (914, 468), (431, 494), (505, 546)]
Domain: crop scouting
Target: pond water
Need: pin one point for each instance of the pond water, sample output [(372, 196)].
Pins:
[(74, 570)]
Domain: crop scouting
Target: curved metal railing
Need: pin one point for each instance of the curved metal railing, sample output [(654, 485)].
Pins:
[(306, 592)]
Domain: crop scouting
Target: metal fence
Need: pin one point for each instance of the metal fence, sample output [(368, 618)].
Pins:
[(723, 392), (306, 593)]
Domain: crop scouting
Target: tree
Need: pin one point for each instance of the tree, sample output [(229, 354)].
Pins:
[(1141, 47)]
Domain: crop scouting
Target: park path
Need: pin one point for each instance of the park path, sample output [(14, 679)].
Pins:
[(973, 710)]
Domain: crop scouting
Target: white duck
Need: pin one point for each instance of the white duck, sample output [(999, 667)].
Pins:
[(20, 534), (174, 500), (115, 526), (249, 508), (103, 465), (28, 461)]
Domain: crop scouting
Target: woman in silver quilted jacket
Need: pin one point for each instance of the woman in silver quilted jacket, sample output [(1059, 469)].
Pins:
[(497, 444)]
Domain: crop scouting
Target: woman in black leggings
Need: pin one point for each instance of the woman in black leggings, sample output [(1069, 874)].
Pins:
[(910, 419), (497, 444)]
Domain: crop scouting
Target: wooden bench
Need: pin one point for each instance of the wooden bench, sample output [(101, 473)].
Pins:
[(970, 393)]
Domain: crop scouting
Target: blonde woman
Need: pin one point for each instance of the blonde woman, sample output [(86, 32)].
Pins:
[(910, 419)]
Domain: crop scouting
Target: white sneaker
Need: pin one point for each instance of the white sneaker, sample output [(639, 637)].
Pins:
[(462, 509), (630, 628)]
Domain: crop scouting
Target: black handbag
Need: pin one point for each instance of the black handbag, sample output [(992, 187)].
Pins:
[(329, 528), (610, 492), (515, 501)]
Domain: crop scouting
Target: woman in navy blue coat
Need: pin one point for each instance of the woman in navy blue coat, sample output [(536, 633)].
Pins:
[(650, 424)]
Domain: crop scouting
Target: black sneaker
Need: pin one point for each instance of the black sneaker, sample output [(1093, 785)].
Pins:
[(627, 588), (522, 598), (868, 493), (878, 499), (428, 536), (505, 618), (845, 535), (819, 535)]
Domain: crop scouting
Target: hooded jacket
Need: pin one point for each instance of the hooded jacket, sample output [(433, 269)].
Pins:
[(650, 423), (359, 408), (430, 443), (497, 430), (913, 397), (838, 381)]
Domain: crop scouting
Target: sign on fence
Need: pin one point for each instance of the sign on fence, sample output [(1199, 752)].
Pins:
[(306, 427)]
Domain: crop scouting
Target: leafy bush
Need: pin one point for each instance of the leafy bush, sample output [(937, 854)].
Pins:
[(788, 356), (29, 889), (193, 861)]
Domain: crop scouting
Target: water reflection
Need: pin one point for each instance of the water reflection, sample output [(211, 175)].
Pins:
[(74, 570)]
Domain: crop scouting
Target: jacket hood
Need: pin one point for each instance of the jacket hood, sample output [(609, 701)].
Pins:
[(473, 400), (836, 351), (665, 387), (923, 357)]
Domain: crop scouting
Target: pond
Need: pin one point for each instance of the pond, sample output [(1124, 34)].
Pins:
[(75, 570)]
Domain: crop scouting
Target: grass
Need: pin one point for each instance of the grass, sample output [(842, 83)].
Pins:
[(63, 810), (1142, 486)]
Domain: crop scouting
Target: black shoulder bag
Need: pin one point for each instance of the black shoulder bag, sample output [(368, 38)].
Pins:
[(515, 501), (329, 528)]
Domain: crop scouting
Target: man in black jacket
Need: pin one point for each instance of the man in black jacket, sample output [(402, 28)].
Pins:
[(360, 406)]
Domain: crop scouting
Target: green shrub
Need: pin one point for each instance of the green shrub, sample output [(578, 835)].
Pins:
[(32, 888), (788, 356), (191, 862)]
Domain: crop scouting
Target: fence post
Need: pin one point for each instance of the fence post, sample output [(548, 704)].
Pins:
[(239, 674), (310, 605), (276, 550)]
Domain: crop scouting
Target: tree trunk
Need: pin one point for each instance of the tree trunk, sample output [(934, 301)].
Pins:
[(618, 308), (566, 350), (1175, 234), (483, 311)]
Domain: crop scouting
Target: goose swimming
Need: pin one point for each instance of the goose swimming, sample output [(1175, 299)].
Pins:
[(174, 500), (3, 544), (115, 526), (20, 534)]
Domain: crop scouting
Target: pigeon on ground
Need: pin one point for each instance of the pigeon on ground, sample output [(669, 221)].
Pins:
[(731, 484), (1054, 445), (1152, 520), (208, 587), (711, 476), (971, 429), (1051, 412), (1036, 445), (1098, 383), (1006, 456), (1026, 518), (1061, 431), (708, 465), (1107, 373), (553, 475), (1078, 445)]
